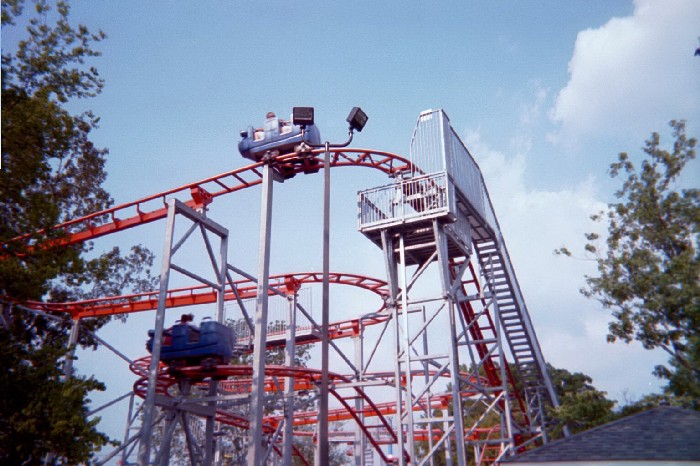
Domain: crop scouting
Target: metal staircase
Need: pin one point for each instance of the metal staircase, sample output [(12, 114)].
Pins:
[(517, 328)]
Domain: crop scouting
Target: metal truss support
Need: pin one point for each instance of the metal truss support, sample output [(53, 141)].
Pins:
[(391, 265), (360, 443), (412, 325), (448, 291), (220, 267), (130, 418), (72, 342), (468, 358)]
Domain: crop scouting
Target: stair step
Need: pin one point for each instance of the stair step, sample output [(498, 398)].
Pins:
[(518, 336)]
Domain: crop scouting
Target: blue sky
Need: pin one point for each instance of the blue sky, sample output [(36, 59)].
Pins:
[(545, 94), (189, 76)]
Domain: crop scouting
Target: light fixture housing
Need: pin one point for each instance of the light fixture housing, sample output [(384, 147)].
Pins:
[(357, 119), (303, 116)]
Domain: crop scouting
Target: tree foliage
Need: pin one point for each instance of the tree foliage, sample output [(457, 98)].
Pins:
[(581, 405), (51, 173), (41, 412), (649, 268), (337, 453)]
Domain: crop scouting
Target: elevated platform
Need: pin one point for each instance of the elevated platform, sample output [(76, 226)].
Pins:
[(409, 207)]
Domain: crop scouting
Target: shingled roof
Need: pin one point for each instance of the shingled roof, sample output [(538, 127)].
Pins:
[(663, 433)]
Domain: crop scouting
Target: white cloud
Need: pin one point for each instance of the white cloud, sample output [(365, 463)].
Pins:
[(634, 73), (530, 113)]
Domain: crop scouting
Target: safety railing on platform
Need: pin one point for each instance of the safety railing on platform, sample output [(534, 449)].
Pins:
[(408, 199)]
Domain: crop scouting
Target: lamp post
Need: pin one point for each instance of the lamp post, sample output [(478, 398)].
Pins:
[(304, 116)]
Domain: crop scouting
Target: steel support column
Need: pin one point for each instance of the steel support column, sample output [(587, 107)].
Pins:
[(392, 304), (325, 312), (129, 421), (256, 451), (289, 361), (149, 402), (72, 342), (407, 355), (446, 280), (209, 444), (360, 440)]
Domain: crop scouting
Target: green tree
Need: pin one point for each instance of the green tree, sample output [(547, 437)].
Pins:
[(51, 172), (40, 412), (337, 454), (581, 405), (649, 270)]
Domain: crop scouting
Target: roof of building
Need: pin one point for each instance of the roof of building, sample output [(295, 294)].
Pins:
[(663, 433)]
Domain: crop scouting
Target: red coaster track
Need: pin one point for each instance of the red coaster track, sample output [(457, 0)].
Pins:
[(203, 192)]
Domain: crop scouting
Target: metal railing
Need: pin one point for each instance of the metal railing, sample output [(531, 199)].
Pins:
[(408, 199)]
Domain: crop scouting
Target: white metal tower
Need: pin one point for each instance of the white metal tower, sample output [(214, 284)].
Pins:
[(458, 312)]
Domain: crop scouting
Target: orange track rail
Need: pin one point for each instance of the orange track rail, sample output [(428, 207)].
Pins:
[(152, 208), (199, 294)]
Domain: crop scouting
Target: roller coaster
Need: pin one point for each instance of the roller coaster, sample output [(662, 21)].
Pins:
[(448, 366)]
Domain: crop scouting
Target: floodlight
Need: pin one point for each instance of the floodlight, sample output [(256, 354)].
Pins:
[(357, 119), (303, 116)]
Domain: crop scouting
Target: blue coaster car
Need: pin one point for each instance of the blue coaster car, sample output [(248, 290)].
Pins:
[(185, 344), (276, 135)]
